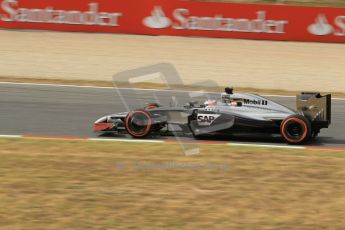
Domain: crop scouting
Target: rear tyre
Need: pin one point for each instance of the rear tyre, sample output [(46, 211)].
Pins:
[(296, 129), (138, 123)]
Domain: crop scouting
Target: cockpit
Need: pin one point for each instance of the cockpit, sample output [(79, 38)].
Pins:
[(228, 99)]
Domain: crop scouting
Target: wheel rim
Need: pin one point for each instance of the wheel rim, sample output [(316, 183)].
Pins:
[(294, 130), (138, 123)]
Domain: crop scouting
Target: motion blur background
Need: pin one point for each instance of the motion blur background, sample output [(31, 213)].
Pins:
[(52, 176)]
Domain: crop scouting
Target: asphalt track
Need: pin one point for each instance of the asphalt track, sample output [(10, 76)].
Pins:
[(47, 110)]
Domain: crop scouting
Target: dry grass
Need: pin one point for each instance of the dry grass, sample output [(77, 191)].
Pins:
[(91, 185), (158, 86)]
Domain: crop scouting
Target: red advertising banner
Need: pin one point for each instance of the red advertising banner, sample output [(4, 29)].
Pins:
[(180, 18)]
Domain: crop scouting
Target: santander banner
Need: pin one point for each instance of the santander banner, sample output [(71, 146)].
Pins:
[(179, 18)]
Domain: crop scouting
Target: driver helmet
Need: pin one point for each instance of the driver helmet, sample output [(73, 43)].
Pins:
[(226, 98), (210, 103)]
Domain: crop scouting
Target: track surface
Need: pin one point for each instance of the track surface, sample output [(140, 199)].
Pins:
[(71, 111)]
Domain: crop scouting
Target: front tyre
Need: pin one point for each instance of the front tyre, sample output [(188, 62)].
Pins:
[(296, 129), (138, 123)]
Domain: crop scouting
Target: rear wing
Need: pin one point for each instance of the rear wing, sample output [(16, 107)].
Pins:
[(315, 107)]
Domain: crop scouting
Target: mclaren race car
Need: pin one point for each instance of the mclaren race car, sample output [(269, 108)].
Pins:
[(234, 113)]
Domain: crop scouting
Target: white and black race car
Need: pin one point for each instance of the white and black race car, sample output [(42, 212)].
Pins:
[(234, 113)]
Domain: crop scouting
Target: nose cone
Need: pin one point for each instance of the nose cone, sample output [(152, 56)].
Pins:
[(102, 120), (102, 125)]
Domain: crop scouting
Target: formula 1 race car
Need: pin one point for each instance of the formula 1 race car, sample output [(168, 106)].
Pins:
[(234, 113)]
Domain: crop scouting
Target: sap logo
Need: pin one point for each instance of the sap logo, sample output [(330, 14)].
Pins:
[(255, 102), (207, 119)]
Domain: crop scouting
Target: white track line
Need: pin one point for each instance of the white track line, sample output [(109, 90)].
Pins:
[(107, 87), (56, 85), (163, 142), (338, 99), (266, 146), (80, 139), (124, 140), (134, 140), (10, 136)]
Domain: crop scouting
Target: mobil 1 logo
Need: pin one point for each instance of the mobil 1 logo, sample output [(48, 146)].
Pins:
[(255, 102)]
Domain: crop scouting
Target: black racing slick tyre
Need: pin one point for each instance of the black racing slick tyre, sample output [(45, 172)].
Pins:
[(138, 123), (296, 129)]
